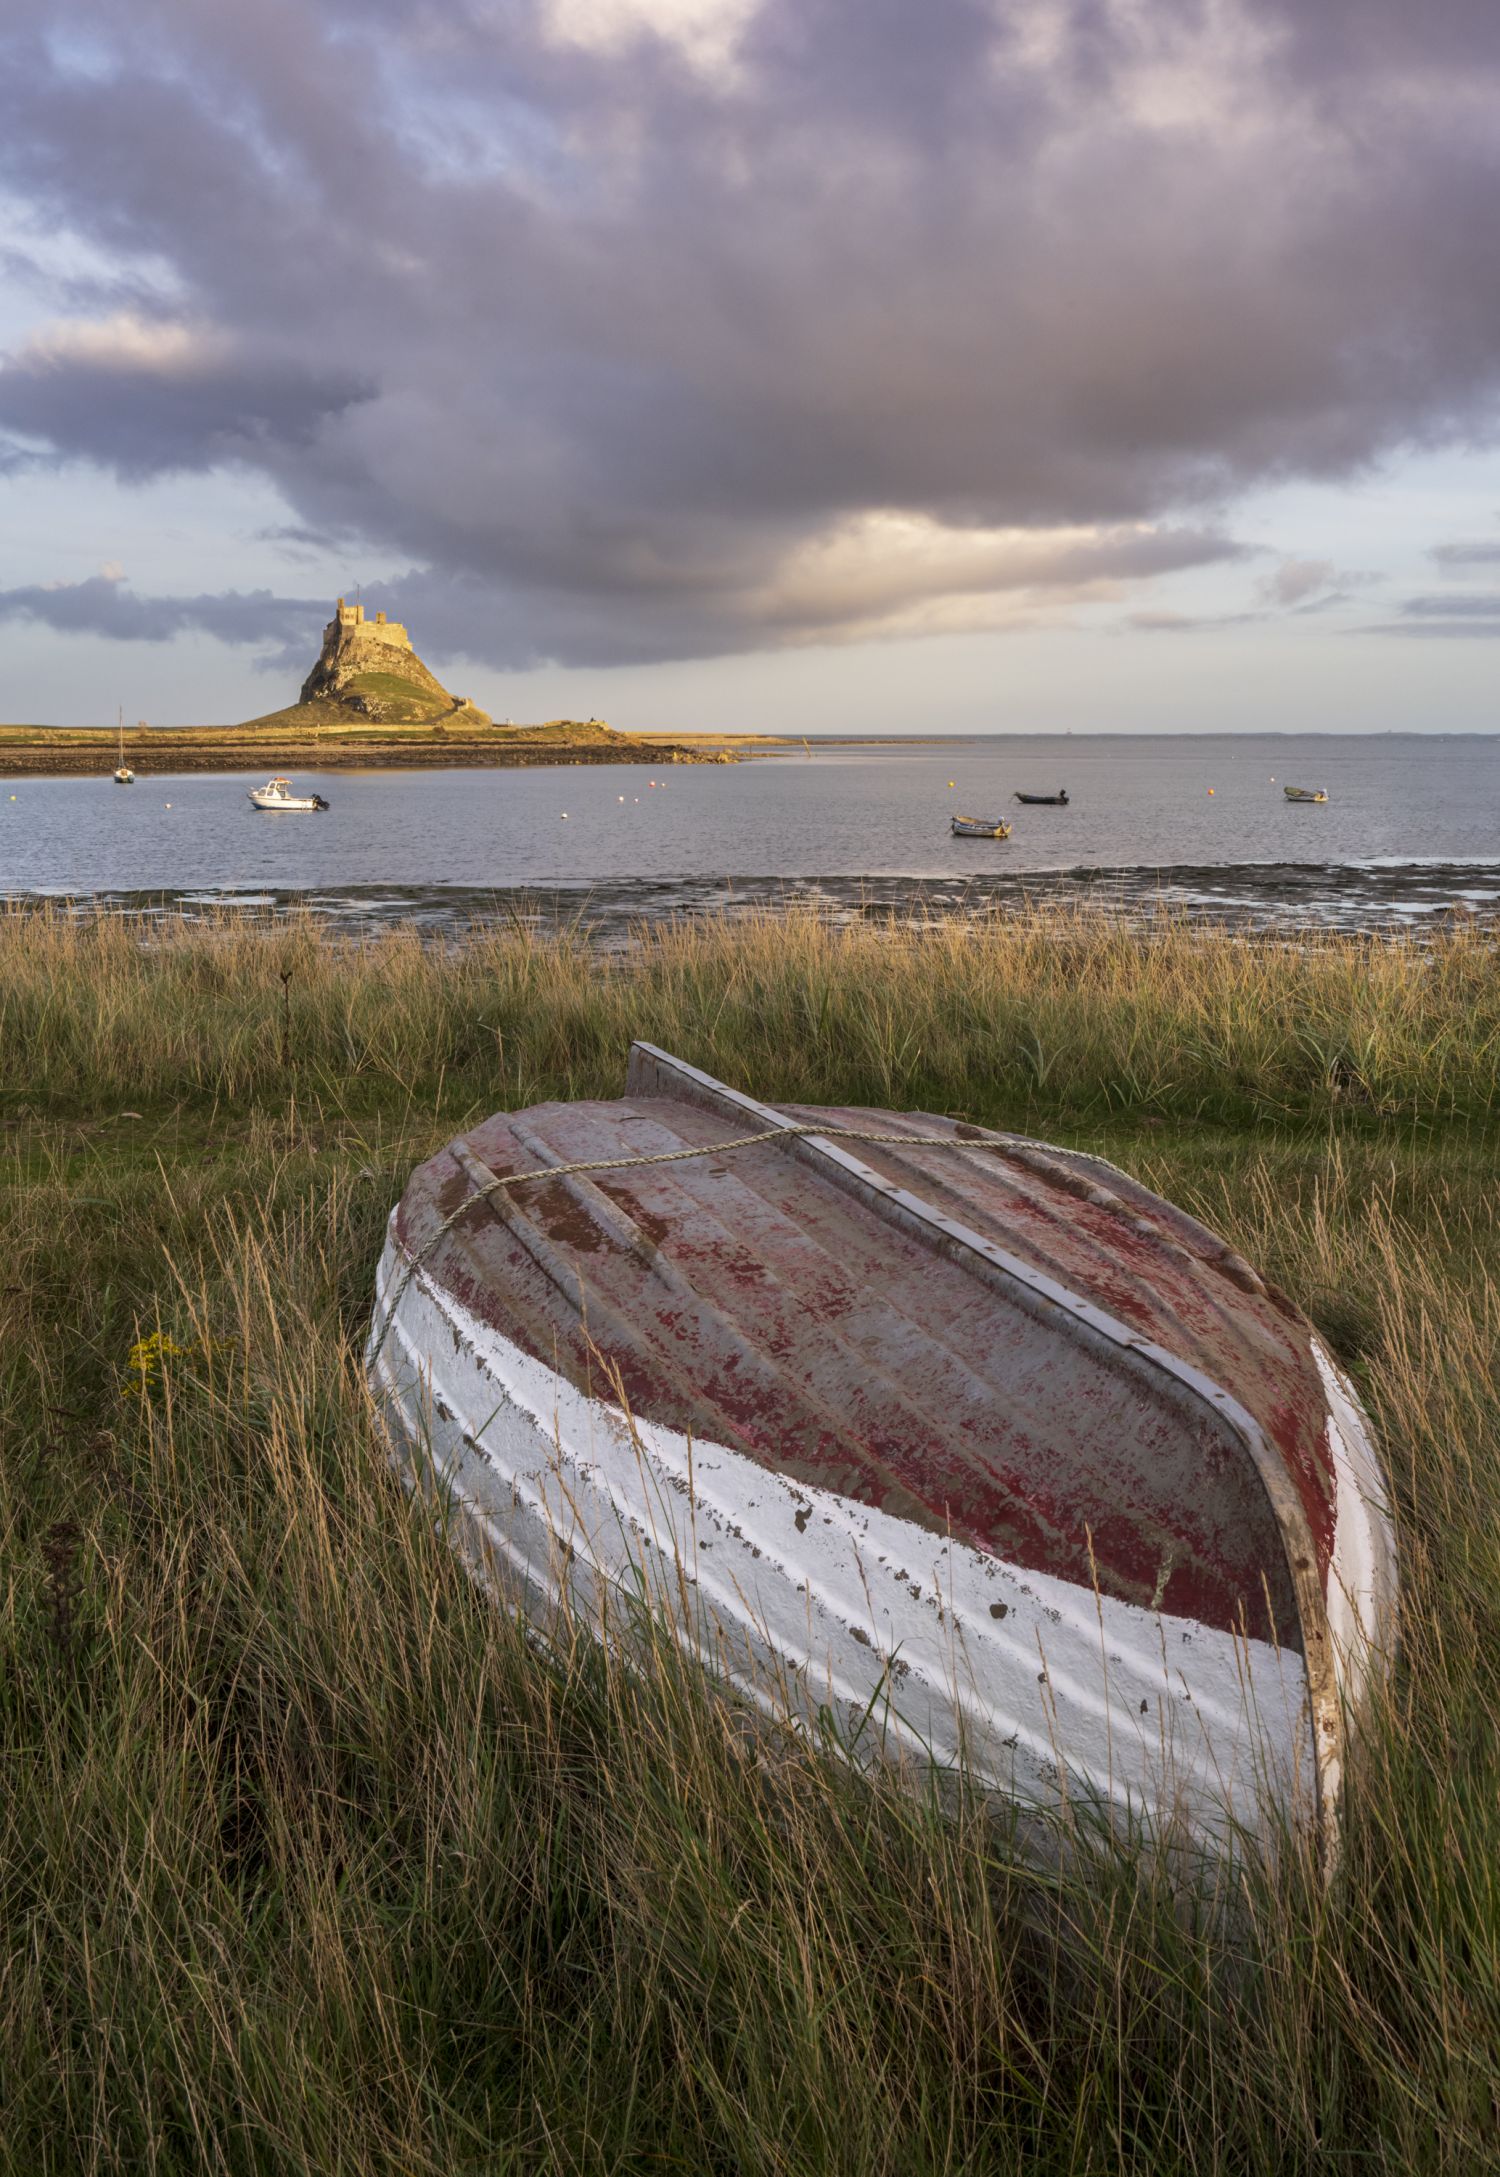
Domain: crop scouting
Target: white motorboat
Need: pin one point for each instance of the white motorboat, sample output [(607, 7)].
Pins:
[(277, 794), (968, 1442)]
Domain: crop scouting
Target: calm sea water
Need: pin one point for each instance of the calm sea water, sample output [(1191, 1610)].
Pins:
[(1411, 825)]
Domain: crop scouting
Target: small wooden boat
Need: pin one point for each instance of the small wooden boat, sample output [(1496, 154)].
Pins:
[(979, 827), (1304, 793), (968, 1442), (1046, 801), (277, 794)]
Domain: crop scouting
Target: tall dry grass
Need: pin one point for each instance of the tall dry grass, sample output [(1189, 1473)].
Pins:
[(1070, 1012), (309, 1860)]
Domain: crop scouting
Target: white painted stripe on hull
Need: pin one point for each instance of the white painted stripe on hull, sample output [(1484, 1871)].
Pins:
[(1361, 1589), (803, 1599)]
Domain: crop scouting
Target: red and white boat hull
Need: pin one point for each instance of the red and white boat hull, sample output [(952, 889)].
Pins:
[(557, 1366)]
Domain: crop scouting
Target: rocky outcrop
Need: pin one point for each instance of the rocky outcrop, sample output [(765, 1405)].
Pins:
[(369, 669)]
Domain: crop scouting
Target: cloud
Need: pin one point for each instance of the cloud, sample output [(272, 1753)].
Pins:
[(1453, 605), (16, 459), (1468, 552), (893, 573), (105, 604), (880, 577), (144, 396), (1438, 630), (707, 33), (1297, 580), (1188, 623), (1456, 613), (1301, 586), (661, 328)]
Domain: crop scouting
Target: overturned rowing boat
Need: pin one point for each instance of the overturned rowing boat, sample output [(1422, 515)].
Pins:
[(934, 1424)]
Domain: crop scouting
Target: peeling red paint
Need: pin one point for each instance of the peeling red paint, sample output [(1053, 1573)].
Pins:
[(758, 1300)]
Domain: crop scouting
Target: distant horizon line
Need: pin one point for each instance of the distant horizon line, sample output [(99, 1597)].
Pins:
[(1070, 733), (898, 736)]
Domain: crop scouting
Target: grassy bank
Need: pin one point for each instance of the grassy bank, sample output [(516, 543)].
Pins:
[(326, 736), (307, 1861)]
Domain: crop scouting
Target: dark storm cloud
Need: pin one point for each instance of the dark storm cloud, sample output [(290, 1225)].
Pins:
[(645, 328), (143, 399), (105, 605)]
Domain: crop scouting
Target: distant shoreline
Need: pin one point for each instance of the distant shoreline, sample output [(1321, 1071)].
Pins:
[(94, 752), (301, 740)]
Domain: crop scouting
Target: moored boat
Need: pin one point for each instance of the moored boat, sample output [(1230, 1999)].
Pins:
[(1304, 793), (1059, 800), (979, 827), (915, 1421), (277, 794), (124, 776)]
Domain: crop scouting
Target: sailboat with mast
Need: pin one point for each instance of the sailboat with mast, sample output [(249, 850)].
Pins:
[(124, 776)]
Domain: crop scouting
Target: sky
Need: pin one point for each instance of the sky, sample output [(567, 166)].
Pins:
[(794, 365)]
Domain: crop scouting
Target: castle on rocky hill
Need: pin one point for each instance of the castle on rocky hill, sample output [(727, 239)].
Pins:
[(369, 668)]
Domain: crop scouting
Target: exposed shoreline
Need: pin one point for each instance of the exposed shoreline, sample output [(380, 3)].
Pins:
[(1296, 902)]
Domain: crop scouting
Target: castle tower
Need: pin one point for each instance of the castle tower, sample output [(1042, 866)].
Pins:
[(354, 644)]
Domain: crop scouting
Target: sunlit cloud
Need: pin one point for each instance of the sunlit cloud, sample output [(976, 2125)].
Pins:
[(892, 573), (706, 32), (121, 344)]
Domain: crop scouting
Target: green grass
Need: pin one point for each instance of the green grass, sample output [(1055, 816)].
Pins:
[(415, 699), (306, 723), (307, 1860)]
